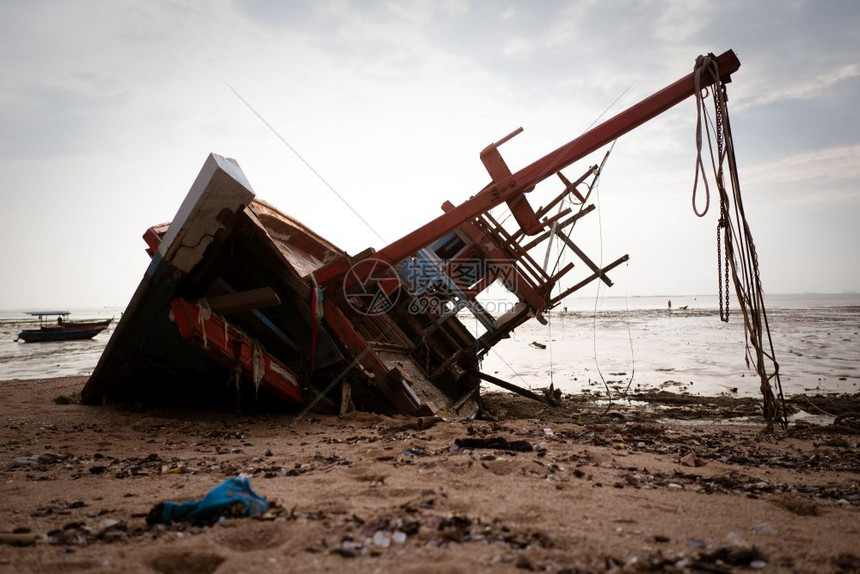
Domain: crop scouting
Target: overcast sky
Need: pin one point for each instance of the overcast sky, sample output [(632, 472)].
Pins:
[(108, 110)]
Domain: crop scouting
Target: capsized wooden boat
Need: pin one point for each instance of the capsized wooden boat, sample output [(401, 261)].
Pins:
[(242, 302), (230, 310)]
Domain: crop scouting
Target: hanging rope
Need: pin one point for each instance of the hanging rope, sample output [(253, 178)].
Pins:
[(204, 312), (258, 364), (739, 250), (317, 315)]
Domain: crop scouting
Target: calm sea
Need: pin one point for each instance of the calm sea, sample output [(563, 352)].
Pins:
[(20, 360), (616, 341)]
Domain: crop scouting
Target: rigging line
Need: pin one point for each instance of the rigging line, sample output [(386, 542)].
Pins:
[(528, 386), (558, 243), (594, 183), (549, 344), (596, 189), (597, 119), (577, 434), (314, 402), (627, 322), (309, 166)]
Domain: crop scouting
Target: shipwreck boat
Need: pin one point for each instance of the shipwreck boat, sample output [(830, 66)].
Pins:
[(63, 329), (243, 303)]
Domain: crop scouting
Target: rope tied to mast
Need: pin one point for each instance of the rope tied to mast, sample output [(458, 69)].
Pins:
[(738, 249)]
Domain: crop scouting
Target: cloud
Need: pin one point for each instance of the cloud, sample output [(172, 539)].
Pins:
[(812, 88), (383, 96), (840, 163)]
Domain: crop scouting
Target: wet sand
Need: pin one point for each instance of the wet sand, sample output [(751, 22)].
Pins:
[(668, 483)]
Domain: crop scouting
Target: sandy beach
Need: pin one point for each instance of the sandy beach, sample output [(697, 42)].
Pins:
[(668, 483)]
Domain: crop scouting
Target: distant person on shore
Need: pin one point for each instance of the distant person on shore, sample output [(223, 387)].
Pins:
[(670, 304)]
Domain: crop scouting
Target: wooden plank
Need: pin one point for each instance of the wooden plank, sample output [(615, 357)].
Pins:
[(581, 254), (590, 278), (232, 347), (513, 388), (244, 300)]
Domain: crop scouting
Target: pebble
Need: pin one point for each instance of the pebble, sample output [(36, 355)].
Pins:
[(763, 528), (524, 562), (19, 539), (381, 539), (48, 458)]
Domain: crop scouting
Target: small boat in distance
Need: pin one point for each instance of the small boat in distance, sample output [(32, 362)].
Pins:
[(63, 329)]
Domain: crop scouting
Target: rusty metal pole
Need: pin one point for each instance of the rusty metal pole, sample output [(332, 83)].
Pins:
[(510, 188)]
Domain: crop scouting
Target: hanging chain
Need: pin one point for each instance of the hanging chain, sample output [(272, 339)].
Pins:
[(723, 223), (718, 117), (722, 267)]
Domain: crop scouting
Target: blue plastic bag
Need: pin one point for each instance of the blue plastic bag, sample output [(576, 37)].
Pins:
[(232, 498)]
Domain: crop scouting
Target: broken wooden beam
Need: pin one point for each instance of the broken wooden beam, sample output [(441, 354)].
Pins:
[(513, 388), (590, 278), (244, 300)]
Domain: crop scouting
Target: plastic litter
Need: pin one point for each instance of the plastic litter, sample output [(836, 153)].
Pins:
[(233, 498)]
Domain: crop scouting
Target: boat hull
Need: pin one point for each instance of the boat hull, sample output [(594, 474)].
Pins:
[(47, 335)]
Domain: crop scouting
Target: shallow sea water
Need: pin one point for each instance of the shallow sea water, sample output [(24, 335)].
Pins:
[(639, 344), (634, 343), (19, 360)]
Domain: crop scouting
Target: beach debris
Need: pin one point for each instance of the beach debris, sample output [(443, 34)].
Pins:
[(233, 498), (18, 539), (722, 559), (495, 443), (550, 399), (186, 561), (847, 562), (552, 395), (764, 528), (240, 293), (427, 422), (690, 459), (70, 399), (537, 345)]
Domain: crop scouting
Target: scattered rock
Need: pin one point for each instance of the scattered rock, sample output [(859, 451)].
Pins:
[(186, 562), (382, 539), (848, 562), (18, 539), (764, 528), (690, 459), (495, 442), (524, 562), (748, 557)]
